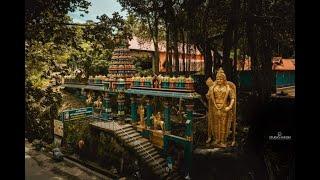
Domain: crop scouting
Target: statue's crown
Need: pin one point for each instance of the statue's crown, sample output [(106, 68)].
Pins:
[(220, 72)]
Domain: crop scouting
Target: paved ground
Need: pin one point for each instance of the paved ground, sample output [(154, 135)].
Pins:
[(39, 166)]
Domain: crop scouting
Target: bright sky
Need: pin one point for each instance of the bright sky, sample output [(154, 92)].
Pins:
[(97, 8)]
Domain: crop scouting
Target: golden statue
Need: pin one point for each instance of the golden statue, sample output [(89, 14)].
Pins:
[(141, 114), (222, 109), (89, 98), (157, 121), (98, 103)]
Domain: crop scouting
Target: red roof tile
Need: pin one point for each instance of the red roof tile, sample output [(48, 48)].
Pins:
[(138, 44), (279, 64)]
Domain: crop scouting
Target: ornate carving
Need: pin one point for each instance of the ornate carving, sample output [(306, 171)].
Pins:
[(222, 109)]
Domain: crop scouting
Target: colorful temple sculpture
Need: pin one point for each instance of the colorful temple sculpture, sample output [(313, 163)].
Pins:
[(121, 69), (160, 82), (152, 103), (162, 109), (118, 79)]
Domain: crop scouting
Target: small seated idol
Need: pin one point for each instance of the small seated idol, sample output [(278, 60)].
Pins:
[(157, 121), (89, 99), (98, 103), (221, 110)]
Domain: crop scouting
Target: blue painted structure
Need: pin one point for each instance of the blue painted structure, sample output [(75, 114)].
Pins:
[(281, 79)]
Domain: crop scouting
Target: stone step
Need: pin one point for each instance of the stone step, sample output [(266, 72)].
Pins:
[(126, 133), (125, 128), (139, 142), (156, 161), (156, 157), (126, 125), (147, 145), (161, 166), (135, 138), (119, 133), (149, 157), (148, 153), (146, 148), (125, 136), (160, 170)]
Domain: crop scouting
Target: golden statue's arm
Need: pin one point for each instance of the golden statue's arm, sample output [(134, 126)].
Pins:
[(230, 105)]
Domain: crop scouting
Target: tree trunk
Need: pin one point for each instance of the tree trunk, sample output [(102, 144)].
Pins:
[(235, 41), (226, 63), (175, 49), (183, 53), (154, 29), (216, 60), (207, 61), (156, 64), (188, 54), (167, 47), (266, 58), (251, 34), (229, 38), (235, 64)]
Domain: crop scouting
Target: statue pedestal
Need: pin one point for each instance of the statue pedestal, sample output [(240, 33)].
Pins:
[(140, 128), (157, 138)]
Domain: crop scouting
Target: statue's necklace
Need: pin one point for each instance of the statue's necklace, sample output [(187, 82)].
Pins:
[(220, 91)]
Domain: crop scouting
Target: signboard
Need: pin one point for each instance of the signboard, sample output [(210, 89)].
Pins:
[(77, 113), (58, 128)]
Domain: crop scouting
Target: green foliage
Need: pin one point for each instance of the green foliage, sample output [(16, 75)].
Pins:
[(108, 33), (48, 41), (41, 109), (75, 131), (100, 66)]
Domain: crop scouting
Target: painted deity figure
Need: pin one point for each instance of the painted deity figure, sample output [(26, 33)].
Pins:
[(89, 98), (222, 109), (157, 121), (141, 114), (98, 103)]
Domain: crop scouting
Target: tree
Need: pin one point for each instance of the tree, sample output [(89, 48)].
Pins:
[(265, 22), (107, 32), (148, 12), (46, 39)]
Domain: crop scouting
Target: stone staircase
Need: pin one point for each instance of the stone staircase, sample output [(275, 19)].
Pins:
[(148, 153)]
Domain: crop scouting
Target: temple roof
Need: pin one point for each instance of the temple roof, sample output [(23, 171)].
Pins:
[(278, 63)]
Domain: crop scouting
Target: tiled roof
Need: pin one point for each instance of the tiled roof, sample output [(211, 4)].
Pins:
[(284, 65), (279, 64), (138, 44)]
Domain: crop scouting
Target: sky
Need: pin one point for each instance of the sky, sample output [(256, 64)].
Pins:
[(97, 8)]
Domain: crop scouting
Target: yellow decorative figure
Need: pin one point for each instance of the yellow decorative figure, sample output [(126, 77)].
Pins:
[(89, 98), (141, 114), (157, 121), (98, 103), (222, 109)]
